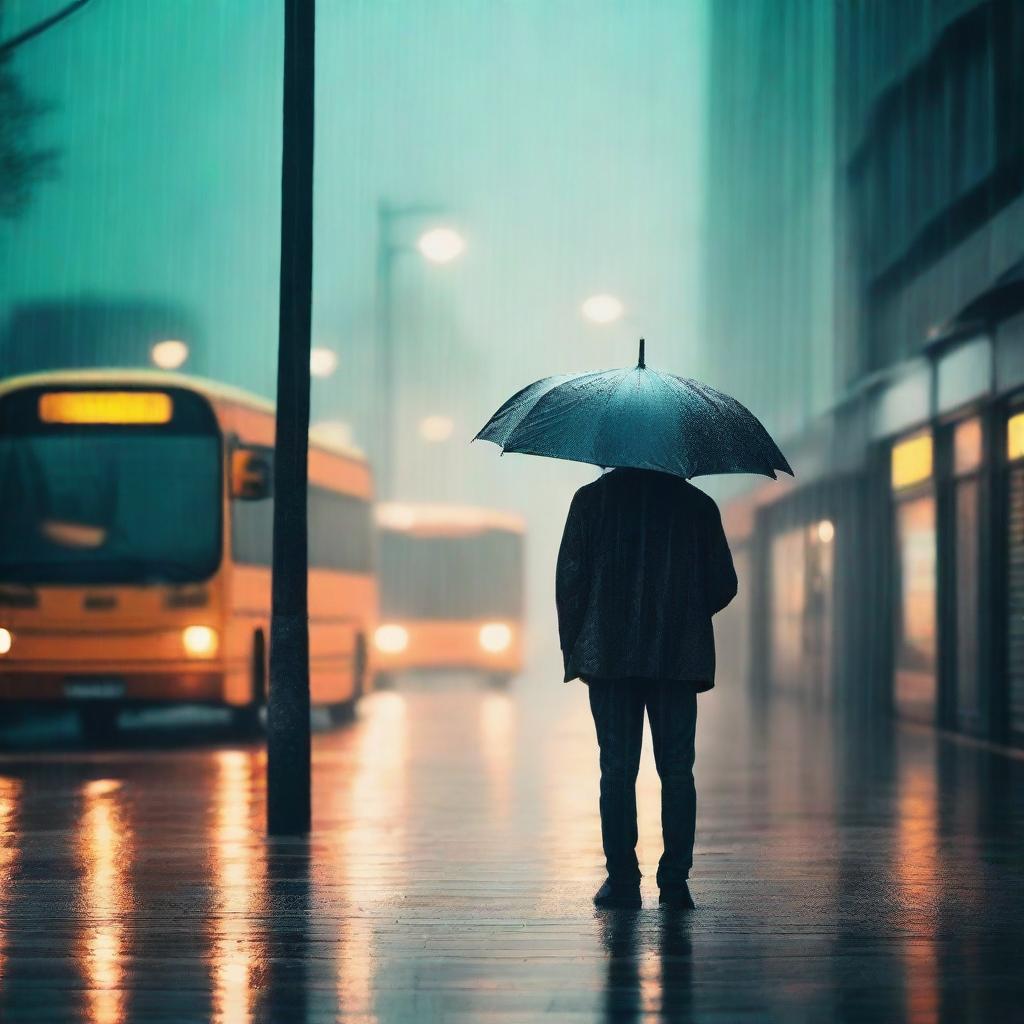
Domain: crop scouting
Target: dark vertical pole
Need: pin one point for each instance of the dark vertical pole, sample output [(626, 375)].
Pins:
[(288, 775), (384, 356)]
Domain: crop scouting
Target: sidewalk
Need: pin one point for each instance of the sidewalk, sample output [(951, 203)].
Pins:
[(455, 850)]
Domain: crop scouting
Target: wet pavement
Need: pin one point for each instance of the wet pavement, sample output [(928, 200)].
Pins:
[(456, 847)]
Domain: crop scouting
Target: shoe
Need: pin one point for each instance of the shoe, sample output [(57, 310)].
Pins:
[(677, 898), (626, 896)]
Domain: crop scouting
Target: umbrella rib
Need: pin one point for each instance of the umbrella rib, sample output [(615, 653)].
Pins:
[(536, 407), (744, 423), (516, 408), (682, 387), (754, 428), (613, 387)]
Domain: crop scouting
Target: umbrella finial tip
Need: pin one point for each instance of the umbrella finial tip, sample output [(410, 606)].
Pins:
[(641, 364)]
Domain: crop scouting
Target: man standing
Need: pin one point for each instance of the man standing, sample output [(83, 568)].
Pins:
[(643, 566)]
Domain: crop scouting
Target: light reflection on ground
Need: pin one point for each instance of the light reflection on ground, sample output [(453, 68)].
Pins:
[(455, 849)]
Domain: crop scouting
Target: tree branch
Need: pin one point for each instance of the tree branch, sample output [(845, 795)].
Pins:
[(10, 45)]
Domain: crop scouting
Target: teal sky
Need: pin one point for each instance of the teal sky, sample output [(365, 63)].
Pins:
[(563, 136)]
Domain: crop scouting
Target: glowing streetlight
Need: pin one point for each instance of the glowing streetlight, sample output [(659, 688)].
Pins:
[(337, 431), (169, 354), (322, 361), (441, 245), (436, 428), (826, 531), (602, 309)]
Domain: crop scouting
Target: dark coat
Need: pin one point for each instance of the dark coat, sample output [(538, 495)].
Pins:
[(643, 566)]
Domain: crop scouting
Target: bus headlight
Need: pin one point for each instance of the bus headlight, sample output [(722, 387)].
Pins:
[(391, 639), (6, 640), (199, 641), (495, 637)]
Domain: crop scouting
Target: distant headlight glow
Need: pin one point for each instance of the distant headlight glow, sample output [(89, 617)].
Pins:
[(391, 638), (495, 637), (199, 641)]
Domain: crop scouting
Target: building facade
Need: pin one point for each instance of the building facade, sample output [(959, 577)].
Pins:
[(890, 576), (768, 202)]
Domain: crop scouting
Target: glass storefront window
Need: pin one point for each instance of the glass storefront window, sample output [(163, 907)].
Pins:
[(789, 574), (1015, 437), (911, 461), (968, 446), (967, 602), (915, 662), (802, 584)]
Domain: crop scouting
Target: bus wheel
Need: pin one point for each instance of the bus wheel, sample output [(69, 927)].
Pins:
[(98, 724), (246, 718), (341, 712), (359, 669), (499, 680), (345, 711)]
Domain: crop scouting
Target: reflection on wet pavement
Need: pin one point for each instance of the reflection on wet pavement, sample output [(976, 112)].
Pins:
[(9, 851), (237, 954), (105, 846), (839, 875)]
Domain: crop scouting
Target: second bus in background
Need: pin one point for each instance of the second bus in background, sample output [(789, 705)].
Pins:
[(451, 590)]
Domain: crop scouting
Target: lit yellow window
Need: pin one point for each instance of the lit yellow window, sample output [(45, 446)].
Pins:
[(911, 461), (1015, 436)]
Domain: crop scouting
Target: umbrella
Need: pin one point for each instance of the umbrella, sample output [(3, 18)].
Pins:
[(635, 417)]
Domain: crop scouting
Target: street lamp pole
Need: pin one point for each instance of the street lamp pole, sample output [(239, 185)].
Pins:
[(288, 740), (384, 357), (385, 363)]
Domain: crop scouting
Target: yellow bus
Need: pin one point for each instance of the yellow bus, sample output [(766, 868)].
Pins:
[(135, 548), (451, 580)]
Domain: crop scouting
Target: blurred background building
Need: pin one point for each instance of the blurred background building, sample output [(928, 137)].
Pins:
[(890, 575), (94, 331), (768, 228)]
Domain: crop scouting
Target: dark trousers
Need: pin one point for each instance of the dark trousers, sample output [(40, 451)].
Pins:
[(618, 708)]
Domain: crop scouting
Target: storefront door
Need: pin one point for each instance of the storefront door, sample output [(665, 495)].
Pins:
[(915, 567), (966, 507)]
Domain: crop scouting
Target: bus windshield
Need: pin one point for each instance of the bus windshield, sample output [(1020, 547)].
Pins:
[(109, 507), (473, 576)]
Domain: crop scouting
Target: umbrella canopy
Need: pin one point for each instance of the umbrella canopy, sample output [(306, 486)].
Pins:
[(635, 417)]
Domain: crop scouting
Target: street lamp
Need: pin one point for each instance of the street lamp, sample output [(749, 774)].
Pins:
[(169, 354), (602, 308), (436, 428), (440, 244), (322, 361)]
